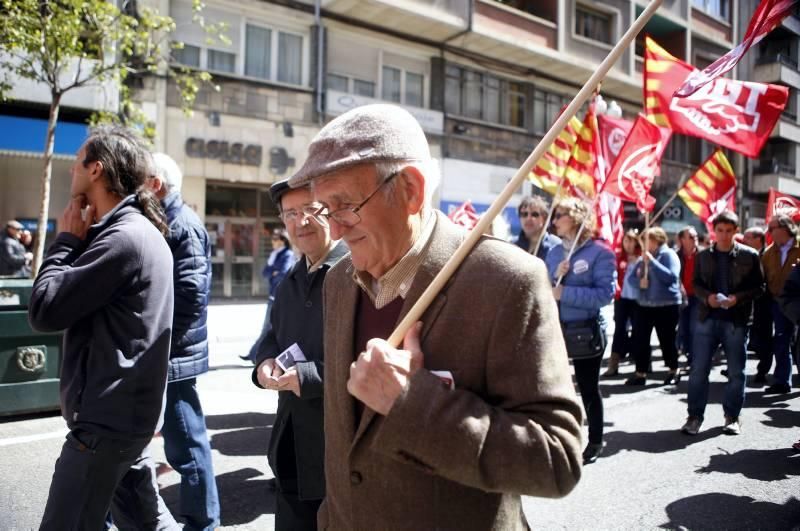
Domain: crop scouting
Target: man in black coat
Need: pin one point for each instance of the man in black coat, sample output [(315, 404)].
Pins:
[(296, 447), (13, 257)]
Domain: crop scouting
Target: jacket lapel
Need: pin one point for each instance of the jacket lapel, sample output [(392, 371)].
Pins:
[(341, 357), (442, 245)]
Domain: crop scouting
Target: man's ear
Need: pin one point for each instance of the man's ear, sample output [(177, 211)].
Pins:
[(414, 189), (95, 170)]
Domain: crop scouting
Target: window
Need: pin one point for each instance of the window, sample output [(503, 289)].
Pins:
[(716, 8), (258, 44), (391, 84), (485, 97), (546, 106), (290, 65), (339, 83), (364, 88), (351, 85), (221, 61), (401, 86), (188, 55), (273, 55), (593, 25)]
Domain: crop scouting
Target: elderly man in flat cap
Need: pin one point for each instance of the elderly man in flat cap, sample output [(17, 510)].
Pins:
[(13, 257), (406, 447)]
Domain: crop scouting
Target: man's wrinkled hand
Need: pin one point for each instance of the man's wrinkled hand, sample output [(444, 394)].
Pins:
[(381, 372), (71, 220), (268, 373)]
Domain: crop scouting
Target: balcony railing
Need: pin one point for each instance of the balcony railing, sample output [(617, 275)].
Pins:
[(781, 58), (774, 167)]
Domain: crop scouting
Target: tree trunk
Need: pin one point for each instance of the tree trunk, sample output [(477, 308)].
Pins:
[(49, 144)]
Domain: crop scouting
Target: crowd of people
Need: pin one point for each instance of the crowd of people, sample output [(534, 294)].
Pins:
[(475, 407)]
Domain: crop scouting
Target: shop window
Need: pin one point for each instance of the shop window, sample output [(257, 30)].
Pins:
[(391, 84), (213, 60), (338, 83), (594, 25)]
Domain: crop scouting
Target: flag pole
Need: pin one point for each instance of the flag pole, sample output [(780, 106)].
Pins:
[(578, 235), (549, 215), (644, 243), (671, 198), (416, 311)]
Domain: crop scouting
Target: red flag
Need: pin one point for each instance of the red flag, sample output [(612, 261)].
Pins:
[(632, 174), (738, 115), (464, 215), (769, 14), (780, 203)]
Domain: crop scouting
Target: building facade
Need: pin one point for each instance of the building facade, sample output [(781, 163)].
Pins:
[(485, 78)]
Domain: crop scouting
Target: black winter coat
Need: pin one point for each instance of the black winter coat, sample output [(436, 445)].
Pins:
[(297, 318), (191, 255)]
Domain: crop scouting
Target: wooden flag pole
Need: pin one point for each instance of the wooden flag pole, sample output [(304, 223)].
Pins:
[(546, 225), (671, 198), (416, 311)]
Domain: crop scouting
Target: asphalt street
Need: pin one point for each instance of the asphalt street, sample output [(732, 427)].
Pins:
[(649, 477)]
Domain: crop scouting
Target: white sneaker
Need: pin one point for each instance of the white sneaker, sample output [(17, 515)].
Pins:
[(692, 426), (732, 426)]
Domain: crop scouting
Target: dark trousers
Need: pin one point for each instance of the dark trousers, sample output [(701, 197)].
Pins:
[(665, 321), (291, 512), (761, 333), (86, 475), (587, 375), (625, 311), (687, 323)]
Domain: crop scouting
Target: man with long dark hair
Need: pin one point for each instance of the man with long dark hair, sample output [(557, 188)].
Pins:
[(107, 282)]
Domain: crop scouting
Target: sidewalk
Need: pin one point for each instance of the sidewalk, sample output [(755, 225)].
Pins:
[(232, 329)]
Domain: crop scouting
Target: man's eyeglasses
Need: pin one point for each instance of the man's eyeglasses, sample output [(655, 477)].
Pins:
[(348, 216), (289, 216), (524, 214)]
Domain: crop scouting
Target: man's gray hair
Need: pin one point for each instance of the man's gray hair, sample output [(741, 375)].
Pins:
[(168, 171)]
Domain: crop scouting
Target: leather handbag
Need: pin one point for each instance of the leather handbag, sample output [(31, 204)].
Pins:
[(584, 339)]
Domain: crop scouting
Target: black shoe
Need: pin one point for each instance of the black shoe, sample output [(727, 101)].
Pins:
[(636, 380), (760, 378), (272, 484), (592, 452), (777, 389), (724, 372), (672, 378)]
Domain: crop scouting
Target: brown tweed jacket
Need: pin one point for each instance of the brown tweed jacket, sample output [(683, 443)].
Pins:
[(458, 459)]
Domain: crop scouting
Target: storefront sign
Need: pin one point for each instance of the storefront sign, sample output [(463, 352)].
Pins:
[(236, 153), (340, 102)]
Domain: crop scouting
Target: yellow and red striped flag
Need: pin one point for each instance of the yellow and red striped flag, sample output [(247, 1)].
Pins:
[(711, 189), (571, 156)]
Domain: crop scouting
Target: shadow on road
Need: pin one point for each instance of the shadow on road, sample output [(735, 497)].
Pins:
[(242, 497), (726, 511), (782, 418), (654, 442), (763, 465), (245, 434)]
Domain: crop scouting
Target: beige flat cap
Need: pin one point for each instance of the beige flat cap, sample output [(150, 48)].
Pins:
[(371, 133)]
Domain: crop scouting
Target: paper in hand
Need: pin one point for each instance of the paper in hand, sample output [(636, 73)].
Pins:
[(289, 357)]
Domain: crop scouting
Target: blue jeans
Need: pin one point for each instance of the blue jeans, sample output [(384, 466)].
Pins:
[(782, 346), (188, 451), (708, 336)]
